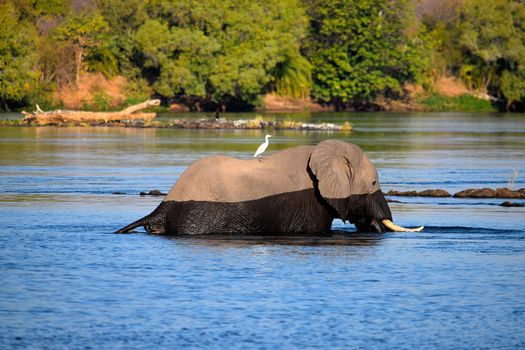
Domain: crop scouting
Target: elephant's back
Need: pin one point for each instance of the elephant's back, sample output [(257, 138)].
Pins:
[(227, 179)]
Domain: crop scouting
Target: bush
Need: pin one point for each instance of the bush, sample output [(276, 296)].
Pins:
[(463, 103), (101, 101)]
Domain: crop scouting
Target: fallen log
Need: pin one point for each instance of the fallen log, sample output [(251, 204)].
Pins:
[(57, 117)]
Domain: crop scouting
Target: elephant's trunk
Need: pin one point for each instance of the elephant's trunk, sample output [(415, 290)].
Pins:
[(393, 227)]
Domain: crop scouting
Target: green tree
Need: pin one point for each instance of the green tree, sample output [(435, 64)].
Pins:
[(84, 32), (218, 52), (17, 56), (440, 19), (513, 87), (39, 11), (124, 17), (293, 76), (360, 50), (493, 37)]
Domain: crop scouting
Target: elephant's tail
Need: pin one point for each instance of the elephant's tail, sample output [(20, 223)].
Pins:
[(133, 225), (153, 223)]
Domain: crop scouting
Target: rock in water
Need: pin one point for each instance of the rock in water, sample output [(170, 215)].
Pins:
[(153, 193), (512, 204)]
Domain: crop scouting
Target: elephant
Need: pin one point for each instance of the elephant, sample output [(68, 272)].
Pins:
[(297, 190)]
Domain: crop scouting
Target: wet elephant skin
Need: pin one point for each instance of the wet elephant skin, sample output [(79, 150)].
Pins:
[(293, 212), (297, 212)]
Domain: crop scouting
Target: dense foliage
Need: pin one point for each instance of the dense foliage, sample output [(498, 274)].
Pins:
[(218, 52), (483, 42), (361, 50), (225, 54), (17, 57), (493, 33)]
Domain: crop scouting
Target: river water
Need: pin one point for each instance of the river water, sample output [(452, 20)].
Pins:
[(66, 281)]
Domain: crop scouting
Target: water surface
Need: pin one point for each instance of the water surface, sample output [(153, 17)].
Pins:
[(67, 282)]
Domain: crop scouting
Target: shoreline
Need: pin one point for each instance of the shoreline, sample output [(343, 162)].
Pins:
[(440, 101)]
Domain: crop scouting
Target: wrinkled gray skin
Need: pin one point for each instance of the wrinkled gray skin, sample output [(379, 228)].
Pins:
[(298, 190)]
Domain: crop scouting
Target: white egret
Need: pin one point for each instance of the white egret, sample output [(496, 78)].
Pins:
[(262, 147)]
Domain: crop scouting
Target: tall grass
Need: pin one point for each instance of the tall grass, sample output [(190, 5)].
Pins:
[(463, 103)]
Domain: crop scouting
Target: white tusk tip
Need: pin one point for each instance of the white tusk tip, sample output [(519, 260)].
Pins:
[(390, 225)]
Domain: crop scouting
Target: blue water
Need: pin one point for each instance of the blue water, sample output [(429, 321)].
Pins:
[(66, 281)]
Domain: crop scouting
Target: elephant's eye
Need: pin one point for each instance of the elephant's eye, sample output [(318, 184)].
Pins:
[(374, 183)]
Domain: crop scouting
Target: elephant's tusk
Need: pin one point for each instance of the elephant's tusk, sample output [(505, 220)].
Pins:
[(389, 224)]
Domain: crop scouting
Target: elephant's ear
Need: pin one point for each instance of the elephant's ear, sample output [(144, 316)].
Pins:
[(332, 169)]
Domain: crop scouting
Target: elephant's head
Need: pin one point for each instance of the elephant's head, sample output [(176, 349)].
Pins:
[(347, 181)]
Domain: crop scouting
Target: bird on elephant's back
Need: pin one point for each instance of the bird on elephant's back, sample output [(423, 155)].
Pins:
[(297, 190)]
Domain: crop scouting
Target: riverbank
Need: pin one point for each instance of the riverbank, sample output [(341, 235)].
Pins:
[(96, 93)]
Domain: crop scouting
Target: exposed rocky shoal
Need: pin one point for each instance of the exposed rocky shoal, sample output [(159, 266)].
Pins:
[(468, 193), (425, 193)]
